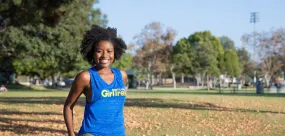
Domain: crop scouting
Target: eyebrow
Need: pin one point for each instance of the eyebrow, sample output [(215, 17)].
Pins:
[(102, 49)]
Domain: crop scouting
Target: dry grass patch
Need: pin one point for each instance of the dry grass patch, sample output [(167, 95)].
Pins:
[(156, 113)]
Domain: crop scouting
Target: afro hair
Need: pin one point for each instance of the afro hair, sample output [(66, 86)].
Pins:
[(97, 34)]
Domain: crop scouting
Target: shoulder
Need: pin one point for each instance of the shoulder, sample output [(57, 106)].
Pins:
[(80, 83), (83, 77), (123, 73), (124, 76)]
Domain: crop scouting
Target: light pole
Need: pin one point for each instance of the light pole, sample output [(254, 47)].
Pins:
[(254, 18)]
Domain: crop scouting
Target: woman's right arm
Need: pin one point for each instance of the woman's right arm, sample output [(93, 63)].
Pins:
[(81, 81)]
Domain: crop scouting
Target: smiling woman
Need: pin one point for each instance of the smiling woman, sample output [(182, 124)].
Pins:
[(103, 86), (104, 54)]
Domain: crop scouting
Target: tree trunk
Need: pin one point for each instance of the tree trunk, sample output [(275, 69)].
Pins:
[(267, 79), (174, 81), (198, 79), (147, 82), (242, 81), (53, 80), (151, 80), (208, 83), (173, 76), (149, 76), (215, 80), (30, 81), (202, 80), (160, 78), (182, 78)]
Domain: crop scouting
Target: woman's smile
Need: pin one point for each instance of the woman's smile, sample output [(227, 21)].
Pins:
[(104, 61), (104, 54)]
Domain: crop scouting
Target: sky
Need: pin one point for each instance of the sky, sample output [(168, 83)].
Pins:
[(221, 17)]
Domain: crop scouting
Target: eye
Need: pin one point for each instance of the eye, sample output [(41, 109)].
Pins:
[(109, 51), (98, 51)]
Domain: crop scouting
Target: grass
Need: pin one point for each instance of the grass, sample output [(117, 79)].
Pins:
[(151, 112)]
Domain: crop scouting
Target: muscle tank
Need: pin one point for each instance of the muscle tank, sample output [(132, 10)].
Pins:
[(104, 115)]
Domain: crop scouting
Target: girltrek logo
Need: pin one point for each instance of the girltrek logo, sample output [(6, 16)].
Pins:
[(114, 93)]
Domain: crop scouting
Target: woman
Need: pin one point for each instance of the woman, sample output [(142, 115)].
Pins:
[(103, 87)]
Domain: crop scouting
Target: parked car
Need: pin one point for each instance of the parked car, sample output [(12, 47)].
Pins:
[(60, 84), (69, 81), (47, 83)]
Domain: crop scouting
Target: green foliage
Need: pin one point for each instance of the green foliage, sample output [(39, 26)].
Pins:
[(227, 43), (200, 53), (17, 2), (182, 56), (244, 60), (208, 50), (244, 56), (37, 48), (125, 62), (232, 63), (23, 12)]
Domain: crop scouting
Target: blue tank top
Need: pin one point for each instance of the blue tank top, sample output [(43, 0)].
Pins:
[(104, 115)]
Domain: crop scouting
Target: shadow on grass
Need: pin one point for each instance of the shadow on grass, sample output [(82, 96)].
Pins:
[(28, 130), (9, 125), (212, 92), (9, 120), (23, 88), (17, 86), (13, 112), (161, 103), (12, 124), (132, 102), (33, 100)]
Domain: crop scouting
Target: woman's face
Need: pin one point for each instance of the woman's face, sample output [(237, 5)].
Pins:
[(104, 54)]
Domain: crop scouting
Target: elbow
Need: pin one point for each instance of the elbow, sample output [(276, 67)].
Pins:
[(67, 108)]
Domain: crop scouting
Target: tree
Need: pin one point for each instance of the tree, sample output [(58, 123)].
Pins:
[(35, 47), (244, 63), (269, 47), (125, 62), (227, 43), (232, 63), (152, 40), (231, 66), (164, 64), (208, 53), (182, 57), (23, 12)]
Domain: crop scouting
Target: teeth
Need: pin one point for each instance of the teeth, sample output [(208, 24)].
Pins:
[(104, 61)]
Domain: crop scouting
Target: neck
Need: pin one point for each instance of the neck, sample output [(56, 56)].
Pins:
[(102, 70)]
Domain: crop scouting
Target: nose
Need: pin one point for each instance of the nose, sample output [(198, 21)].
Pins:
[(105, 53)]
